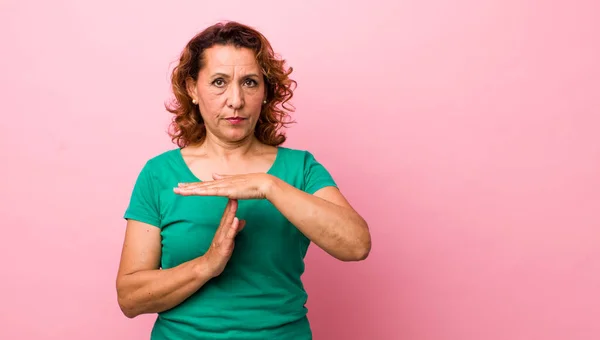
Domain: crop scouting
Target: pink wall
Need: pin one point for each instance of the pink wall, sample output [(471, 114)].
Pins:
[(465, 131)]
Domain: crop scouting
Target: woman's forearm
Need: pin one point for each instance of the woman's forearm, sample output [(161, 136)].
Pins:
[(154, 291), (336, 229)]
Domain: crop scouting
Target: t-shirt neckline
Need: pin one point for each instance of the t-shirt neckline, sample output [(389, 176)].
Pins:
[(189, 172)]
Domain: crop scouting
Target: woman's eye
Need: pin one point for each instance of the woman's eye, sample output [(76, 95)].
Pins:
[(218, 82), (251, 82)]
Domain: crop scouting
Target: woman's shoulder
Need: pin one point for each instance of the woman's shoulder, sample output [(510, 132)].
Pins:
[(303, 164), (164, 155), (293, 152), (296, 154), (158, 160), (297, 158)]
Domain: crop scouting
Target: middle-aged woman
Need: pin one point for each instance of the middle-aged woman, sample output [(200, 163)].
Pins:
[(217, 229)]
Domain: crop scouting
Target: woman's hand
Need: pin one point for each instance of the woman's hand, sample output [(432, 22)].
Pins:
[(220, 250), (247, 186)]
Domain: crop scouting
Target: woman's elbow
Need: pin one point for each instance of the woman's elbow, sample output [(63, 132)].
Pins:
[(361, 248), (124, 300), (364, 252), (361, 252), (354, 255), (127, 308)]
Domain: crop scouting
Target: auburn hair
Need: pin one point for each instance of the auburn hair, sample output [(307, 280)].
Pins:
[(187, 126)]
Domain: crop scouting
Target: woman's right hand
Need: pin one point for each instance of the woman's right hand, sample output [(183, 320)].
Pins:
[(221, 248)]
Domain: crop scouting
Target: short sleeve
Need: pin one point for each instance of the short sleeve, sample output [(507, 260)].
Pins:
[(144, 201), (316, 175)]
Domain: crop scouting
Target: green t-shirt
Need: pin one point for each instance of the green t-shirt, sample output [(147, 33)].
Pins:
[(260, 294)]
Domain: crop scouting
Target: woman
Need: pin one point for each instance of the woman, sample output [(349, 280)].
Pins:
[(230, 182)]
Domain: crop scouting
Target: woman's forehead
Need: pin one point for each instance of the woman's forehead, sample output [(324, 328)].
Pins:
[(229, 56)]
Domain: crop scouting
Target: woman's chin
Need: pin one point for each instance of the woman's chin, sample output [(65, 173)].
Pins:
[(237, 136)]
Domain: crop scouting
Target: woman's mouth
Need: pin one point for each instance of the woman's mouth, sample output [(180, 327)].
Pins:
[(235, 120)]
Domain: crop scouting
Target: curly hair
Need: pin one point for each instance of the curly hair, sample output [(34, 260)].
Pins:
[(187, 126)]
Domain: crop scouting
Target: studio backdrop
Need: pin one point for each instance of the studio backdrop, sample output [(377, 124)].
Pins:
[(465, 132)]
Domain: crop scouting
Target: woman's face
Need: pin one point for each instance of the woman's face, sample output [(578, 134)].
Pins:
[(229, 91)]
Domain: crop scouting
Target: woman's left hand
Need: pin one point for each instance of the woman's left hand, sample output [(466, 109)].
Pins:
[(246, 186)]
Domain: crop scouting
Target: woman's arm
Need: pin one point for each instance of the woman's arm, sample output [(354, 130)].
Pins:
[(326, 218), (144, 288)]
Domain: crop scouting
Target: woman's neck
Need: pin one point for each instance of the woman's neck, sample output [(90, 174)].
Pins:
[(213, 147)]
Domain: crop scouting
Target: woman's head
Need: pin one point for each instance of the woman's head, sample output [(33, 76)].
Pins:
[(229, 83)]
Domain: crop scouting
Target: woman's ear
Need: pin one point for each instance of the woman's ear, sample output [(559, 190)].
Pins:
[(190, 85)]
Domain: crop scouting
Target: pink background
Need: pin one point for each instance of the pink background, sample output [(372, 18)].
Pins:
[(466, 132)]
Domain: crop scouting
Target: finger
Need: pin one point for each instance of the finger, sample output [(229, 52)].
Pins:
[(199, 184), (228, 208), (231, 213), (192, 185), (212, 189), (226, 221), (217, 237), (223, 191), (226, 247), (242, 225), (232, 231), (186, 187)]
